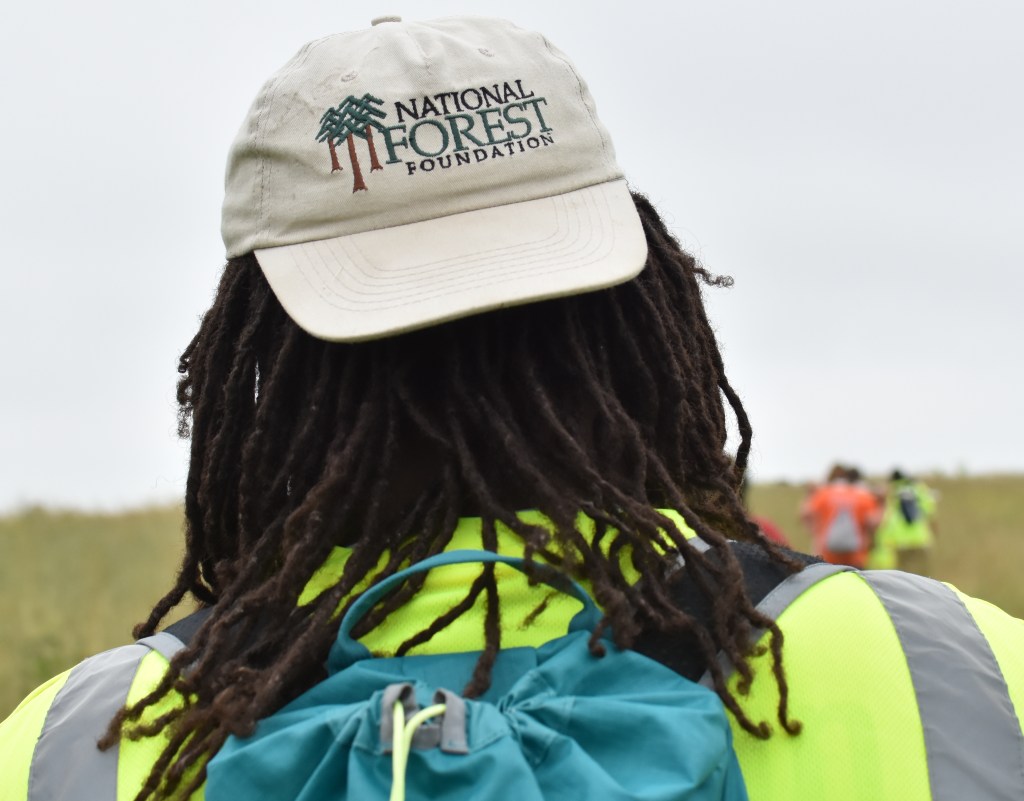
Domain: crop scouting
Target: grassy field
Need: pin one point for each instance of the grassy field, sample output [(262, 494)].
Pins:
[(980, 540), (73, 584)]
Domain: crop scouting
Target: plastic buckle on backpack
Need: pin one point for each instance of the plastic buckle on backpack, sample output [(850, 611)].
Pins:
[(447, 731)]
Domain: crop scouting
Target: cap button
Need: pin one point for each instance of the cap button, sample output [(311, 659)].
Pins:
[(385, 18)]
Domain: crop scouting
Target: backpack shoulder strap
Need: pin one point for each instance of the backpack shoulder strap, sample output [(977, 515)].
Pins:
[(777, 601), (185, 629), (768, 586), (762, 577)]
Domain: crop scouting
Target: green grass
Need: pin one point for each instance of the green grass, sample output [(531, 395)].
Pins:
[(74, 584), (980, 541)]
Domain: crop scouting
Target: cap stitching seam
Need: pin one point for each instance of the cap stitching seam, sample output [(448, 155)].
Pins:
[(419, 48), (265, 169), (582, 93)]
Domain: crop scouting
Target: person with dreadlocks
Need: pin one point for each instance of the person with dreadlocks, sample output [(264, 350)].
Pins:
[(445, 322)]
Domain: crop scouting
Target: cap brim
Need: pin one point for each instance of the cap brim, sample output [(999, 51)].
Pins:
[(379, 283)]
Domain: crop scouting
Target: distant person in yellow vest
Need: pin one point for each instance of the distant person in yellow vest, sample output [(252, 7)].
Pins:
[(909, 524), (497, 346), (881, 556)]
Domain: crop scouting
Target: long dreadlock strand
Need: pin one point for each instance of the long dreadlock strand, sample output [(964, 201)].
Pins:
[(604, 405)]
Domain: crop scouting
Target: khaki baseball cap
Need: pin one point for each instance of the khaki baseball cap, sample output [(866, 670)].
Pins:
[(411, 173)]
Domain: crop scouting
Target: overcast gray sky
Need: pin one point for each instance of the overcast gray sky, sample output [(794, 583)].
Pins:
[(856, 167)]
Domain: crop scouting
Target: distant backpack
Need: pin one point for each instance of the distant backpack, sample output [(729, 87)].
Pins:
[(557, 723), (910, 506), (843, 534)]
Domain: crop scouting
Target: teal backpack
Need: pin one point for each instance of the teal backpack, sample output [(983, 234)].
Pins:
[(557, 723)]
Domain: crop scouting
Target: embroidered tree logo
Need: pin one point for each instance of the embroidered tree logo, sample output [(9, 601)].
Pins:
[(354, 116)]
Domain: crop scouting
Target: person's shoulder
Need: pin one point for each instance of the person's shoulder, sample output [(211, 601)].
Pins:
[(61, 721), (92, 678), (932, 620), (762, 574), (19, 733), (874, 659), (1004, 633), (61, 711)]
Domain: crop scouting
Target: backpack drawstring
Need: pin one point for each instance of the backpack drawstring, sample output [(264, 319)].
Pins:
[(402, 734)]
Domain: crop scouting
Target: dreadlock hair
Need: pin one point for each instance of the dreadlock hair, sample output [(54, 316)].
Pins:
[(607, 403)]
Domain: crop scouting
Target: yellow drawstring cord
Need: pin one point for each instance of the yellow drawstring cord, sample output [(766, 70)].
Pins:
[(401, 743)]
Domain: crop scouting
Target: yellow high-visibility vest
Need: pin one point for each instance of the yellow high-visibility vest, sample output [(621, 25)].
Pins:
[(907, 690)]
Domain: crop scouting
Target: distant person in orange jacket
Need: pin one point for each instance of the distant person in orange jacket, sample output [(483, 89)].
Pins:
[(842, 517)]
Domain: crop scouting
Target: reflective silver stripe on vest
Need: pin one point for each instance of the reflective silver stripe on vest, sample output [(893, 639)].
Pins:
[(698, 544), (66, 764), (775, 603), (678, 562), (972, 737), (167, 645)]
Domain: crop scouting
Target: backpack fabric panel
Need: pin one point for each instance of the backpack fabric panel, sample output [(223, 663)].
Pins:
[(569, 727), (556, 723)]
